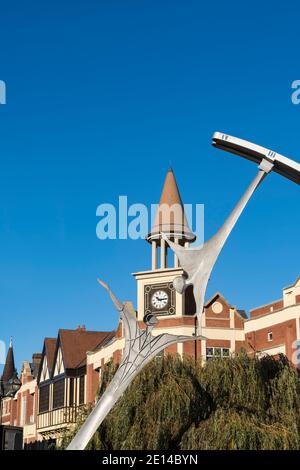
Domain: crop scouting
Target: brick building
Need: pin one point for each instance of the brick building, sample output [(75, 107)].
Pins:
[(66, 376)]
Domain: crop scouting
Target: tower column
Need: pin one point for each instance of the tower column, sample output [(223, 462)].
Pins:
[(176, 260), (154, 255), (163, 254)]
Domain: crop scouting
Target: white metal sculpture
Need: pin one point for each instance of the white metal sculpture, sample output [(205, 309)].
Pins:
[(141, 346)]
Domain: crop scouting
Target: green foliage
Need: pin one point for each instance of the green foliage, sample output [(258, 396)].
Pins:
[(68, 433), (255, 405), (234, 403)]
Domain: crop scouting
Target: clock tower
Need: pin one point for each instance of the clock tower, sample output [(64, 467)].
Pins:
[(155, 290)]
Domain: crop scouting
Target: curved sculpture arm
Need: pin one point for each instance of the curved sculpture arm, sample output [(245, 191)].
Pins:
[(183, 338), (189, 257), (131, 328), (218, 240), (198, 262), (119, 306)]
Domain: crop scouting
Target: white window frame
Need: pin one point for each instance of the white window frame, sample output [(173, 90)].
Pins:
[(270, 336), (214, 355)]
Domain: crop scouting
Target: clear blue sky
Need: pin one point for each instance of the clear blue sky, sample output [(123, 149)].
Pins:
[(101, 95)]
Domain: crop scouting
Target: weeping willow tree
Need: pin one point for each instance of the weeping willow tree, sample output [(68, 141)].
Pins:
[(234, 403)]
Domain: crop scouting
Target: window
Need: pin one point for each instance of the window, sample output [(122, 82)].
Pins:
[(23, 410), (6, 407), (81, 389), (6, 440), (44, 399), (212, 353), (71, 393), (270, 336), (59, 393)]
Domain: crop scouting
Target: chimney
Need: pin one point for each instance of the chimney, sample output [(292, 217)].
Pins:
[(36, 358), (81, 328)]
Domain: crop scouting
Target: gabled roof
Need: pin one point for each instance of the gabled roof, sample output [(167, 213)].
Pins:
[(76, 343), (50, 345), (48, 352), (109, 338), (218, 295), (214, 297)]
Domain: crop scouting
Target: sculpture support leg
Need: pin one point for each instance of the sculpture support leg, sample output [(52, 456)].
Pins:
[(198, 262), (109, 398), (217, 242), (213, 247)]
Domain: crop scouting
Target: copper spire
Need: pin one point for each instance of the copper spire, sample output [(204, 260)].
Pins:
[(170, 217)]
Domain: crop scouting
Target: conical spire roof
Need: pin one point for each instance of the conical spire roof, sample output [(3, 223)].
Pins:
[(170, 216), (9, 368)]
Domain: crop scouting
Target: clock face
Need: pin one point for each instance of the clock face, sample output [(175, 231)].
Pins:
[(159, 299)]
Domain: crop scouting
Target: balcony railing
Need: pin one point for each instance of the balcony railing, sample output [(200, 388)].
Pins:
[(58, 417)]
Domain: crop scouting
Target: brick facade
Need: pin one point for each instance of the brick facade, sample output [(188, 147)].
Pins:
[(272, 307), (92, 383)]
